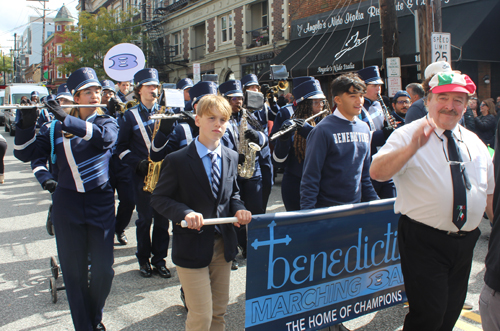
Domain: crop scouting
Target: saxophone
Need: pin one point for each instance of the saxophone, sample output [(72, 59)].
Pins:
[(154, 168), (248, 149)]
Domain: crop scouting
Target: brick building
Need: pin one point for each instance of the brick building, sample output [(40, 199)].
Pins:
[(330, 37), (54, 56)]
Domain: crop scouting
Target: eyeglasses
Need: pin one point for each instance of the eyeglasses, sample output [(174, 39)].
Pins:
[(403, 102), (318, 102), (483, 105), (236, 98)]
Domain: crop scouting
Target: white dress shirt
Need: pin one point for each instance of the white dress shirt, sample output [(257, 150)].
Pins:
[(424, 184)]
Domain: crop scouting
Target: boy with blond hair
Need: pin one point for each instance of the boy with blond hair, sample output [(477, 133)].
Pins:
[(199, 182)]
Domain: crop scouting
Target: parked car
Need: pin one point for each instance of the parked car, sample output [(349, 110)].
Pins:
[(13, 95)]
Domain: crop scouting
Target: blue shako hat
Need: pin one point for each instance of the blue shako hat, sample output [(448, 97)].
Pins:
[(108, 85), (401, 93), (184, 84), (148, 76), (299, 80), (82, 79), (63, 92), (249, 80), (35, 94), (310, 89), (371, 75), (201, 89), (231, 88)]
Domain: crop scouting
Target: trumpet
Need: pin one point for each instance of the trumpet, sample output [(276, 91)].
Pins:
[(273, 90), (17, 106), (294, 125)]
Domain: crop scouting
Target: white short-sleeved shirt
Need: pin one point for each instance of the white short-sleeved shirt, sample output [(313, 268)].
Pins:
[(424, 185)]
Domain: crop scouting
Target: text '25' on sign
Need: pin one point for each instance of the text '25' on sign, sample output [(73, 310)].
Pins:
[(441, 46)]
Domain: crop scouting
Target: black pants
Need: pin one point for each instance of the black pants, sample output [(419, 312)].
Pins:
[(436, 269), (3, 149)]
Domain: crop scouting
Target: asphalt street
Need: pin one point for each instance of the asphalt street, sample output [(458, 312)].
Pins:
[(134, 303)]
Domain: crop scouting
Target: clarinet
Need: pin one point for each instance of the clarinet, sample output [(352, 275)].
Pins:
[(388, 116), (294, 125)]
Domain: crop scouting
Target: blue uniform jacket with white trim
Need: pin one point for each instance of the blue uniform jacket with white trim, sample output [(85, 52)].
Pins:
[(231, 139), (82, 160), (283, 114), (39, 166), (181, 136), (134, 139)]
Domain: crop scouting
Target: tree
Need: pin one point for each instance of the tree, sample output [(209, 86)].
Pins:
[(5, 66), (95, 34)]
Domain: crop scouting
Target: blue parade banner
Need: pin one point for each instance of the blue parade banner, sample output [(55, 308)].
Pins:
[(311, 269)]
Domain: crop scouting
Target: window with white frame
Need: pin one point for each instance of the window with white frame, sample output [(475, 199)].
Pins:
[(59, 73), (59, 50), (176, 43), (226, 28), (59, 27)]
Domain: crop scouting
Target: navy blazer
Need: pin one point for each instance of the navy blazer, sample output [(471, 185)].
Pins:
[(184, 187)]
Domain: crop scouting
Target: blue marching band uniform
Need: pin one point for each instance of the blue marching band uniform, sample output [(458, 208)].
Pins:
[(373, 115), (120, 178), (284, 151), (88, 159), (133, 146), (82, 213)]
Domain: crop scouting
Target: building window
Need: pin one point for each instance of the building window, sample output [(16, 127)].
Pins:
[(258, 22), (59, 50), (59, 27), (254, 68), (59, 73), (176, 44), (226, 26), (66, 75)]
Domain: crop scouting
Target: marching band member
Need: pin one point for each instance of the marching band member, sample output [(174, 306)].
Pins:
[(108, 92), (337, 161), (290, 148), (134, 144), (185, 85), (287, 111), (80, 146), (120, 174), (250, 188), (199, 182), (264, 115), (373, 115), (174, 134), (123, 90)]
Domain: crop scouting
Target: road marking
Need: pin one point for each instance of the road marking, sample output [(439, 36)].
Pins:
[(273, 207), (466, 327), (472, 316)]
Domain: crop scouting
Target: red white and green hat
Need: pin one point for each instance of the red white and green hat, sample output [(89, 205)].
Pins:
[(451, 82)]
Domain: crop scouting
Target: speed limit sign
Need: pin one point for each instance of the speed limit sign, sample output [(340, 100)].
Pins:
[(441, 46)]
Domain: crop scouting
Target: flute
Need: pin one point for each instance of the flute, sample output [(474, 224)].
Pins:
[(294, 125), (44, 106)]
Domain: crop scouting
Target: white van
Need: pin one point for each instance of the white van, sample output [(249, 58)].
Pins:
[(13, 95)]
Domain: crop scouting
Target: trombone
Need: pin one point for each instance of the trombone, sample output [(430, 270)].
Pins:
[(17, 106)]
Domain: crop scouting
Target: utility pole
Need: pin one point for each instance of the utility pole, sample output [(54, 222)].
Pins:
[(15, 58), (43, 32), (429, 20), (389, 27)]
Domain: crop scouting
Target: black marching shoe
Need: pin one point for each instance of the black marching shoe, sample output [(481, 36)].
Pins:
[(234, 265), (163, 271), (146, 270), (100, 327), (183, 299), (122, 238)]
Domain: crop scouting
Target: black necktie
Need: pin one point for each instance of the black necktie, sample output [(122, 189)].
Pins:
[(459, 178)]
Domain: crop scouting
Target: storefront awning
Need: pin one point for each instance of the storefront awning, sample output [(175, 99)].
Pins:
[(341, 51), (472, 25)]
